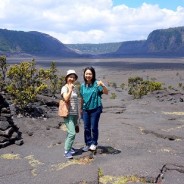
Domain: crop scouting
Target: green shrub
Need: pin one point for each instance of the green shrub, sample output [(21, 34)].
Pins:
[(122, 86), (100, 172), (3, 70), (138, 87), (180, 85), (53, 79), (25, 82), (113, 96), (170, 87)]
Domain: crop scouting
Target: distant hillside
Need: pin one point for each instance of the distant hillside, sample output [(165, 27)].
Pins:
[(33, 43), (95, 49), (163, 42)]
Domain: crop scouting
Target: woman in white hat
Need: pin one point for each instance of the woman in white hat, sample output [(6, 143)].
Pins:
[(69, 94)]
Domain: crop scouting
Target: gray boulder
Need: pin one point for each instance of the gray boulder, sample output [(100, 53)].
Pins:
[(9, 132)]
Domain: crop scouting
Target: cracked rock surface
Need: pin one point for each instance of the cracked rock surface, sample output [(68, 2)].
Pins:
[(140, 140)]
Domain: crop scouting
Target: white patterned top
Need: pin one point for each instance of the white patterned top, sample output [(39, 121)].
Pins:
[(73, 100)]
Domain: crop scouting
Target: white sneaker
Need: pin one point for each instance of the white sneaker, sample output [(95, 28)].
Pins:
[(85, 148), (92, 147), (72, 151), (68, 155)]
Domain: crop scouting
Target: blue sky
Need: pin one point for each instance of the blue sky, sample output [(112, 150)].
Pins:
[(169, 4), (92, 21)]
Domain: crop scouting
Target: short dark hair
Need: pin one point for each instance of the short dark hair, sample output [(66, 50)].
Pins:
[(93, 73)]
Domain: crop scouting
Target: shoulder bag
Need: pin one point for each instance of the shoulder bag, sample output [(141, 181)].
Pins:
[(63, 110)]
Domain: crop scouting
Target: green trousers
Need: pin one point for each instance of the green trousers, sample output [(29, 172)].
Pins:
[(70, 123)]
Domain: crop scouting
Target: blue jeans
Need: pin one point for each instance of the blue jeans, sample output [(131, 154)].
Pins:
[(91, 119)]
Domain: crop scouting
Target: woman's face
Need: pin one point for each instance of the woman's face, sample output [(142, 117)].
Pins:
[(88, 75), (71, 78)]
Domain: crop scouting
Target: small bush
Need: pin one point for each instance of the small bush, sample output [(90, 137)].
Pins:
[(180, 85), (25, 82), (138, 87), (170, 87), (3, 70), (113, 96), (52, 79), (100, 172), (122, 86)]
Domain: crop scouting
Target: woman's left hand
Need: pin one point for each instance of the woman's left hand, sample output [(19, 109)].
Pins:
[(100, 83), (105, 90)]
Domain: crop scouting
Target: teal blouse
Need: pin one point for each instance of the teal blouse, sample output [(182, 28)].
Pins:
[(91, 95)]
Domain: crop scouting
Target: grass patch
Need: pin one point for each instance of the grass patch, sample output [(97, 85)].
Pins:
[(10, 156), (120, 180)]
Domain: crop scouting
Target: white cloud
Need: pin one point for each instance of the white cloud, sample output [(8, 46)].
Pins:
[(86, 21)]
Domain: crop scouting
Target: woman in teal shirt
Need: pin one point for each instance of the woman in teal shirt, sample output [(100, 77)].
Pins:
[(91, 107)]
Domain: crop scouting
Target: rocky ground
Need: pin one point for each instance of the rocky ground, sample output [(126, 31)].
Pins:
[(141, 140)]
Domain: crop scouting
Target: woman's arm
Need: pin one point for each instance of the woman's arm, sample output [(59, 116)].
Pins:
[(67, 94), (105, 90)]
